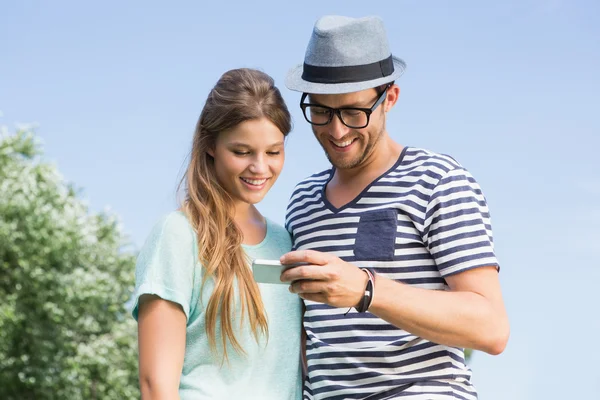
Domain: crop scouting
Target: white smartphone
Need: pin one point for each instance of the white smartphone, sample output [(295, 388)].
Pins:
[(269, 271)]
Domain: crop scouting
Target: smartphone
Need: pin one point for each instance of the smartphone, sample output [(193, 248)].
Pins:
[(269, 271)]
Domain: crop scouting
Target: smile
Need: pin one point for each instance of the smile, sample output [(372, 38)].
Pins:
[(254, 182), (343, 144)]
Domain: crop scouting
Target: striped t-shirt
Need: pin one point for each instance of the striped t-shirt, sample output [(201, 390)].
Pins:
[(422, 220)]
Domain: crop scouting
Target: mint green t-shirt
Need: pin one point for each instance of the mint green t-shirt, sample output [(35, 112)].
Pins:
[(168, 267)]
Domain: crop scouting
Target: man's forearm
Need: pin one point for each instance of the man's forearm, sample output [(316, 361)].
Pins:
[(452, 318)]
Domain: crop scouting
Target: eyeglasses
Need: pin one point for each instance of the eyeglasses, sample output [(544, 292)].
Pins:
[(352, 117)]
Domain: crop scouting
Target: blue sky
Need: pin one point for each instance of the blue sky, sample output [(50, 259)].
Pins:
[(509, 89)]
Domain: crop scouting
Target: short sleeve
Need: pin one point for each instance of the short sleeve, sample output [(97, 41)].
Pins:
[(457, 229), (166, 264)]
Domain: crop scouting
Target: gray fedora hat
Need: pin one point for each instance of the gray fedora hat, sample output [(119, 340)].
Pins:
[(345, 55)]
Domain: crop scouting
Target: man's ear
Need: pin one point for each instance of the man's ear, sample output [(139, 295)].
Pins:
[(393, 93)]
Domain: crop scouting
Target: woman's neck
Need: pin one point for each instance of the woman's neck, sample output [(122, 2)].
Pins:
[(252, 224)]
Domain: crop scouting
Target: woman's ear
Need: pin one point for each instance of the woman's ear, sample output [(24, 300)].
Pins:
[(211, 152)]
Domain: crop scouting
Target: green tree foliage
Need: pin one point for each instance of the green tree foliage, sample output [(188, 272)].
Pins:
[(468, 355), (64, 281)]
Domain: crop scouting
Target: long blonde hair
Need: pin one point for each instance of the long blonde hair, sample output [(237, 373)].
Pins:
[(239, 95)]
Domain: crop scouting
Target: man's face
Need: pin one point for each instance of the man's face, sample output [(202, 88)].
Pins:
[(347, 147)]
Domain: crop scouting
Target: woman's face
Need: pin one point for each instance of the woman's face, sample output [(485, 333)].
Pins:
[(248, 159)]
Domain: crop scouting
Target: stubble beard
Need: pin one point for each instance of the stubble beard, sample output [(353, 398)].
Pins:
[(360, 159)]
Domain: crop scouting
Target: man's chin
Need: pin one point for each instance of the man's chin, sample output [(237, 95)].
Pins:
[(343, 162)]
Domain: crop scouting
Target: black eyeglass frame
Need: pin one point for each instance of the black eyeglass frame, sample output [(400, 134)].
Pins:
[(338, 111)]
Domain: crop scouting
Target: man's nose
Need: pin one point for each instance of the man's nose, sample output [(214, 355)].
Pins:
[(336, 127)]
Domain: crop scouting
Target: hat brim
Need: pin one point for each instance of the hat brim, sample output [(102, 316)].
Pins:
[(294, 81)]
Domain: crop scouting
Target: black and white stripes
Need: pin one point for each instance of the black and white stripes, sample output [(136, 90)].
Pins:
[(424, 219)]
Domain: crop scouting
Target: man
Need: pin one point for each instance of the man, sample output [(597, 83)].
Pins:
[(401, 272)]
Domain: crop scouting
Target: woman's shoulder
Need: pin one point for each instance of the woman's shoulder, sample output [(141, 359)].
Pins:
[(172, 228), (176, 220), (277, 232)]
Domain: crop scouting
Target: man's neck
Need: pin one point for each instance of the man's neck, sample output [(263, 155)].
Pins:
[(347, 184), (383, 157)]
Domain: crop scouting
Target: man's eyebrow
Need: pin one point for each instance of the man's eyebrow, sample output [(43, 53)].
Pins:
[(355, 105), (351, 105)]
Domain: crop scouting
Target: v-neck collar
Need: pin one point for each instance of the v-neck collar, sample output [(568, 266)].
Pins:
[(352, 202)]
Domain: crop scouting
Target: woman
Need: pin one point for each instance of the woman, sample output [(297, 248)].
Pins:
[(206, 329)]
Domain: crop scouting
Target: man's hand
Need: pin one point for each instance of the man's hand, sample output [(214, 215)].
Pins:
[(325, 279)]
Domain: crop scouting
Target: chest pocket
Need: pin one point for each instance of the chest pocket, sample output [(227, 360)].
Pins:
[(376, 236)]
